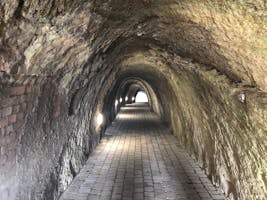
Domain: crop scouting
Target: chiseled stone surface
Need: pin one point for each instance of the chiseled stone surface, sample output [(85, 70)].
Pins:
[(140, 159)]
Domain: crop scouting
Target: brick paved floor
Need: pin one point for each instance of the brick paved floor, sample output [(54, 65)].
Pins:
[(139, 159)]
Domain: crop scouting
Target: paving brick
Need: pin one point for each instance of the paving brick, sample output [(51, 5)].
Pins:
[(140, 159)]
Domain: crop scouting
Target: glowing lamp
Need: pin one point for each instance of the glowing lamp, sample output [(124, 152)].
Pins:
[(120, 99), (133, 99), (99, 119), (126, 98), (116, 102)]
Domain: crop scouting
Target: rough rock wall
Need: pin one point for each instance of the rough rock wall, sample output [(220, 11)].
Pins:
[(55, 144), (218, 124), (210, 55)]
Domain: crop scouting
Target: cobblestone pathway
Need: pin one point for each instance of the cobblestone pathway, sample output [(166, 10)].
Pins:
[(139, 159)]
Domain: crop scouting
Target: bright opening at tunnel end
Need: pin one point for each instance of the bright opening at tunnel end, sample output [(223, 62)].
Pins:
[(141, 97)]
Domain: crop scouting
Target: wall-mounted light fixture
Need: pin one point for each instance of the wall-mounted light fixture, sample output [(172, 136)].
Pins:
[(133, 99), (126, 98), (116, 103), (120, 99), (242, 97), (99, 119)]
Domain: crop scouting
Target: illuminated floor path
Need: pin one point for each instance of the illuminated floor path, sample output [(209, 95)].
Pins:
[(139, 160)]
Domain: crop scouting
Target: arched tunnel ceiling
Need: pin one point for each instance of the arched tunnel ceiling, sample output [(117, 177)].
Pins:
[(204, 61), (127, 83), (130, 87), (133, 90), (67, 36)]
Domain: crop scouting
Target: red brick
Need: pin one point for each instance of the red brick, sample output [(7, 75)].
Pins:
[(18, 124), (4, 141), (3, 122), (9, 129), (23, 107), (17, 90), (22, 99), (6, 111), (57, 106), (20, 116), (11, 140), (7, 102), (29, 89), (15, 109), (2, 131), (12, 119)]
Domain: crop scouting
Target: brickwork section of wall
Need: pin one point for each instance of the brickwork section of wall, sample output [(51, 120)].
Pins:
[(13, 103)]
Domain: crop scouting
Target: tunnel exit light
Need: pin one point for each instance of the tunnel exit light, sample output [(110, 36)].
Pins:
[(141, 97), (99, 119)]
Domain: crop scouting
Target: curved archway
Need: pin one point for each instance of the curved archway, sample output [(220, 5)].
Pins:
[(127, 88)]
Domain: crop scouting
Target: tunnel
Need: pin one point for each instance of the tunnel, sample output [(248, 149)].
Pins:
[(123, 99)]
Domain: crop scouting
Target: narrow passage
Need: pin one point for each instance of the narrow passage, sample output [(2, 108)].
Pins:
[(139, 159)]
